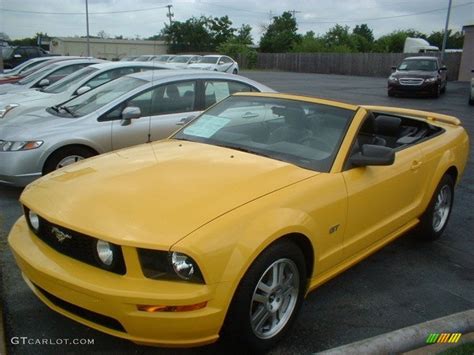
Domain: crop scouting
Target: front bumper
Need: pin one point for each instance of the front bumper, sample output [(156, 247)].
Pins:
[(20, 168), (423, 89), (108, 302)]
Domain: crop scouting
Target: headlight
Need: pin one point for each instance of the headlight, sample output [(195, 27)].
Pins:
[(14, 146), (392, 78), (162, 265), (7, 108), (105, 253), (431, 80)]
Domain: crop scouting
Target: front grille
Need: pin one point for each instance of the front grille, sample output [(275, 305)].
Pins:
[(97, 318), (411, 81), (76, 245)]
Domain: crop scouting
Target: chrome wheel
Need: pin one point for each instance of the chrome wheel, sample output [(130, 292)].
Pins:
[(441, 208), (71, 159), (274, 298)]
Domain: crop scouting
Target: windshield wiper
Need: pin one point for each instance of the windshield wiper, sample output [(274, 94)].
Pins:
[(68, 110), (54, 108)]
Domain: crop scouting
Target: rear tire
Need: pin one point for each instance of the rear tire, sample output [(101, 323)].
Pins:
[(436, 217), (66, 156), (264, 306)]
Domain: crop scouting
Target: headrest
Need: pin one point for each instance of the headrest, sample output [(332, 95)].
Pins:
[(387, 125)]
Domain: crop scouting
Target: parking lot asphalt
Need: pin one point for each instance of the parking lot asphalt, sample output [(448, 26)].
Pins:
[(405, 283)]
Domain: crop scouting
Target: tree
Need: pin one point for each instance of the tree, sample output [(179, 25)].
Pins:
[(188, 36), (280, 35), (309, 44), (4, 36), (102, 34), (455, 40), (244, 34), (220, 30), (364, 31)]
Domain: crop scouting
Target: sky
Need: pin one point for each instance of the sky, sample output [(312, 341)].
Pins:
[(61, 18)]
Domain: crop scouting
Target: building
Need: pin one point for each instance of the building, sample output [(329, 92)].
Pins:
[(111, 49), (467, 59)]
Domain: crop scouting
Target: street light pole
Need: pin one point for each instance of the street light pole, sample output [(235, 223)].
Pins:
[(445, 37), (87, 25)]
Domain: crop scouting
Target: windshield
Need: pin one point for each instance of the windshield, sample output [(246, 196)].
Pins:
[(102, 95), (180, 59), (209, 60), (37, 74), (7, 52), (418, 64), (298, 132), (70, 80)]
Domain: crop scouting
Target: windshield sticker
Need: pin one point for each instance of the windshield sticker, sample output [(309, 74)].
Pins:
[(206, 126)]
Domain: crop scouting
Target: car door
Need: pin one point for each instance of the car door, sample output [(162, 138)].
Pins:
[(382, 199), (172, 104), (19, 56), (224, 64)]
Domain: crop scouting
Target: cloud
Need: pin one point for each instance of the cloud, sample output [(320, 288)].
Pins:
[(315, 15)]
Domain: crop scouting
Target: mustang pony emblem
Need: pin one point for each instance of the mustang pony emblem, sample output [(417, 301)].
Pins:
[(60, 235)]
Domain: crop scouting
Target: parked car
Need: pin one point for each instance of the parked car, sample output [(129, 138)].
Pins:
[(183, 61), (16, 104), (224, 227), (221, 63), (418, 75), (13, 56), (133, 109), (145, 58), (164, 58), (128, 58), (13, 76), (471, 96), (48, 75), (29, 64)]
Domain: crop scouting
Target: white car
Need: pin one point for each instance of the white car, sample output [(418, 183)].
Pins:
[(18, 103), (182, 61), (471, 96), (48, 75), (220, 63)]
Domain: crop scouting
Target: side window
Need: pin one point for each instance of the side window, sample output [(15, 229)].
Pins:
[(217, 90), (61, 73), (174, 98), (227, 60)]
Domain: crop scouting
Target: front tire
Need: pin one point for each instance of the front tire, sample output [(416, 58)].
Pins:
[(66, 156), (435, 219), (268, 298)]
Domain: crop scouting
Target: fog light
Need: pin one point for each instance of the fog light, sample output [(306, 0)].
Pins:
[(105, 252), (186, 308), (34, 220)]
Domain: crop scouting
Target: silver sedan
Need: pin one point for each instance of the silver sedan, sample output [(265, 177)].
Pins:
[(133, 109)]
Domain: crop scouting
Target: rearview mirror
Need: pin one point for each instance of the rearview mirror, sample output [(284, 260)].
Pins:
[(43, 83), (373, 155), (394, 68), (129, 114), (82, 90)]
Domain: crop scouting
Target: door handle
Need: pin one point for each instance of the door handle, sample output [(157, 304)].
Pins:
[(415, 164)]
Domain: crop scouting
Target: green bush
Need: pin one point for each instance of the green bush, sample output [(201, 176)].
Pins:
[(240, 51)]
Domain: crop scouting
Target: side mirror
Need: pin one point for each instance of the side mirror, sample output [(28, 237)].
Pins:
[(394, 68), (82, 90), (443, 68), (129, 114), (43, 83), (185, 120), (17, 56), (373, 155), (472, 70)]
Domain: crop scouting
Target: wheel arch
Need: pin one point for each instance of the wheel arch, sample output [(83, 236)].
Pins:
[(83, 145)]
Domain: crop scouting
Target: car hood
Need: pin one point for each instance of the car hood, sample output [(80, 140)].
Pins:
[(23, 96), (9, 88), (33, 126), (201, 66), (155, 194), (415, 74)]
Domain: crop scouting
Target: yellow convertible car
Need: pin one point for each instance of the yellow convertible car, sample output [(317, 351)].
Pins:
[(223, 228)]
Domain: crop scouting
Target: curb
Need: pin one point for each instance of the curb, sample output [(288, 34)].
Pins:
[(409, 338)]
